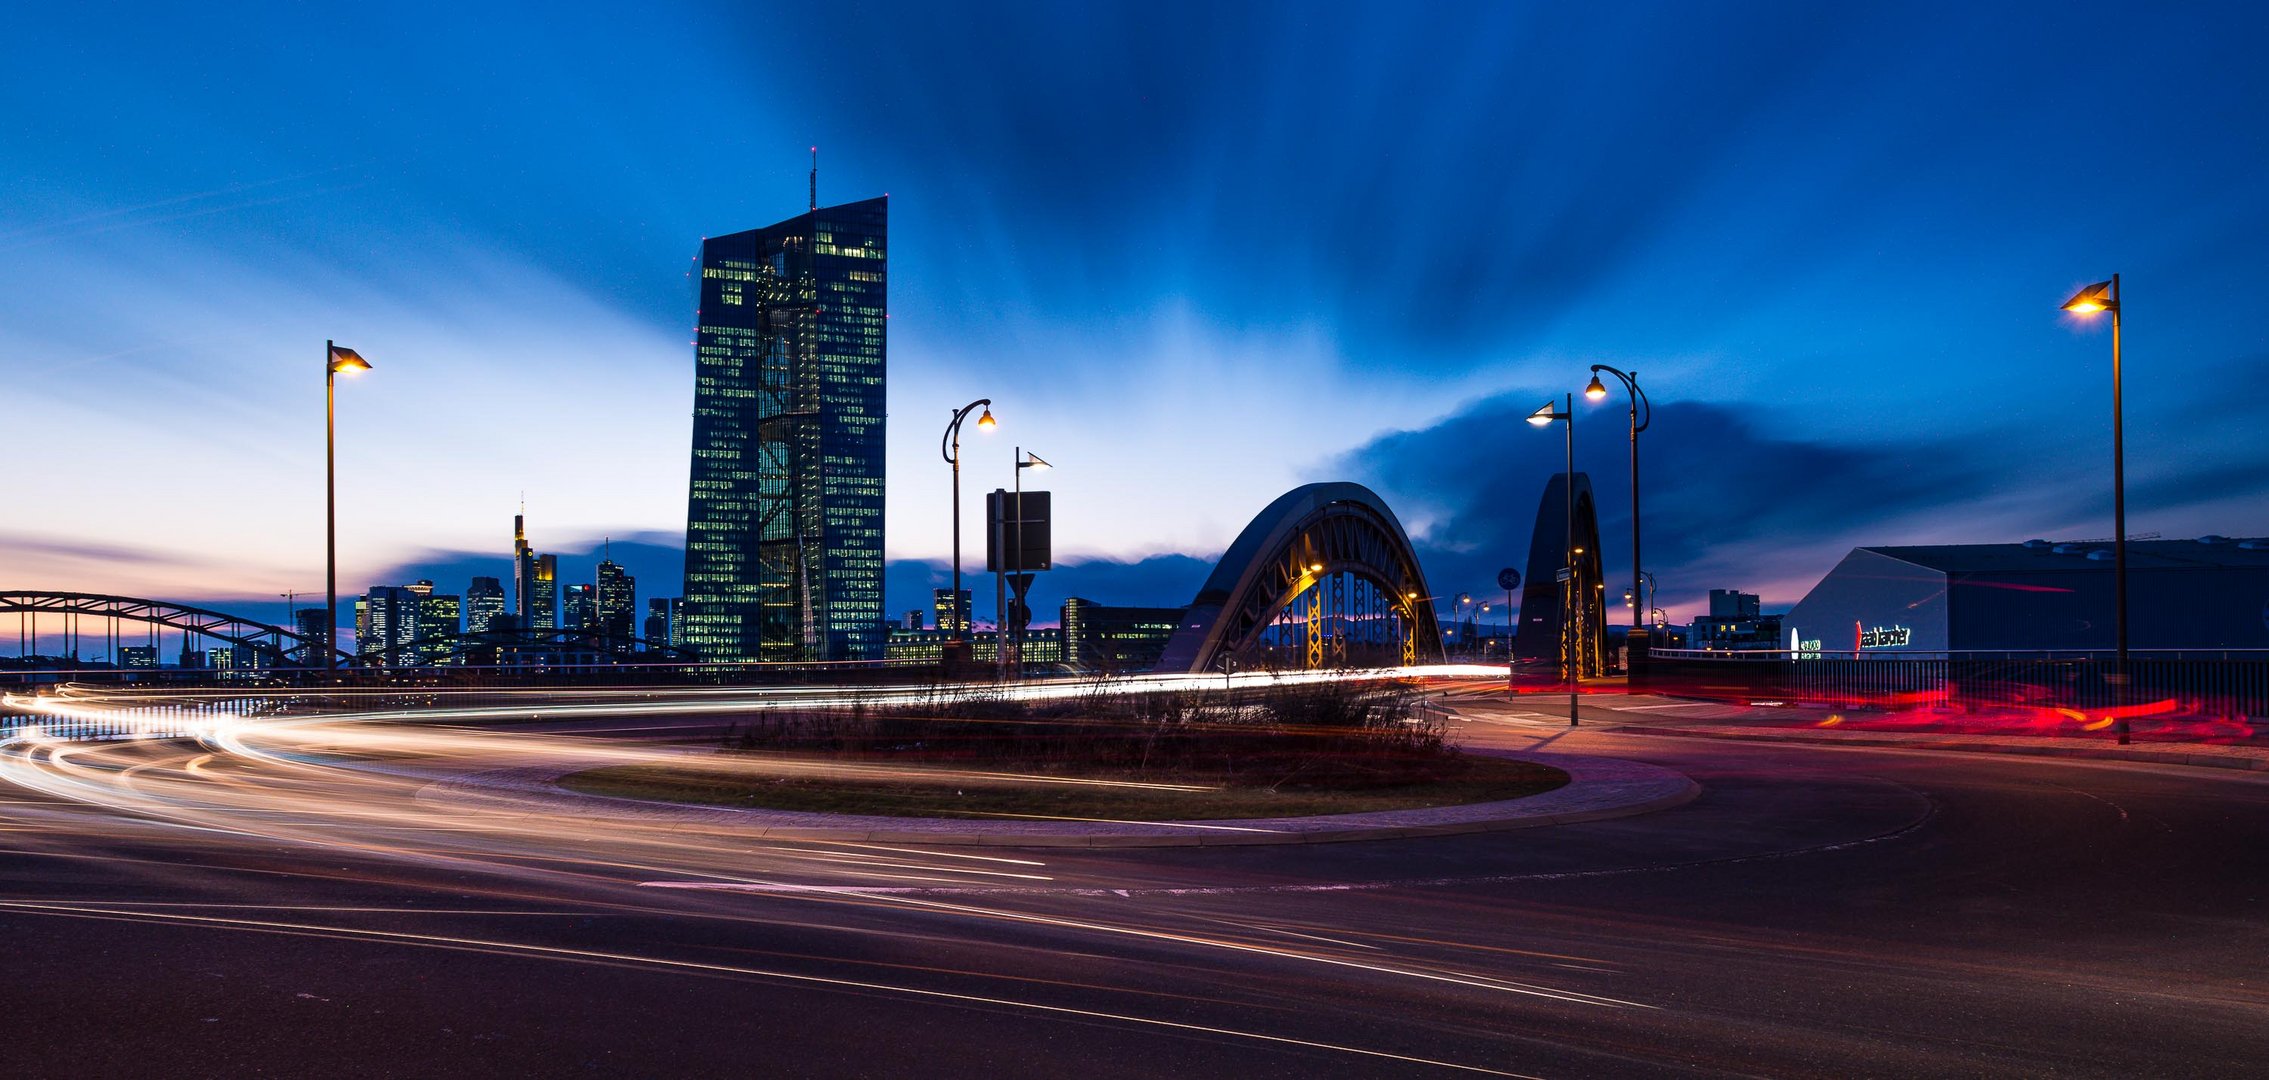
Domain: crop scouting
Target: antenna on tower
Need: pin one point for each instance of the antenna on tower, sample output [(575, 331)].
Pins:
[(815, 178)]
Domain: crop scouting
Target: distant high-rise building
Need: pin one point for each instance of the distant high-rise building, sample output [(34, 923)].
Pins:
[(386, 622), (784, 508), (662, 617), (143, 657), (914, 619), (535, 581), (440, 618), (484, 601), (545, 610), (313, 627), (232, 658), (617, 602), (951, 617), (578, 608)]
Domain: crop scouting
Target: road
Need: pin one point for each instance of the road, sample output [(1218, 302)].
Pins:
[(297, 902)]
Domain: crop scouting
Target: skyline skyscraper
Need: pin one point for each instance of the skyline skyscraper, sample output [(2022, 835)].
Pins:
[(484, 601), (617, 602), (663, 614), (784, 504), (578, 608), (535, 581)]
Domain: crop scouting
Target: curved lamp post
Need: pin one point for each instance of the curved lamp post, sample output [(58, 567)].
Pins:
[(2104, 296), (1570, 663), (1639, 421), (950, 449), (337, 360)]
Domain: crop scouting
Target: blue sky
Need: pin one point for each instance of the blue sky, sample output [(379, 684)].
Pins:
[(1197, 253)]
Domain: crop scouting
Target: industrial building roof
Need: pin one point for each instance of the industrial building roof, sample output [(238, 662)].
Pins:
[(2051, 556)]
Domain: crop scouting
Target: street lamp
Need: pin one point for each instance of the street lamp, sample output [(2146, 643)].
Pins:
[(1023, 461), (953, 457), (1598, 392), (1570, 664), (337, 360), (2104, 296)]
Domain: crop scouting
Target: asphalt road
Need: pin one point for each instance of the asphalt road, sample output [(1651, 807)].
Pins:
[(170, 909)]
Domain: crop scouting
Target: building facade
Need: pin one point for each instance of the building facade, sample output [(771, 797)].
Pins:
[(784, 507), (484, 601), (1737, 620), (535, 582), (2205, 596), (947, 615), (616, 603), (578, 608), (1116, 639), (663, 613)]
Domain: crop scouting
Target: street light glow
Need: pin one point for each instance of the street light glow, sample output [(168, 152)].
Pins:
[(1596, 391), (1543, 416), (2088, 301), (346, 361), (985, 422)]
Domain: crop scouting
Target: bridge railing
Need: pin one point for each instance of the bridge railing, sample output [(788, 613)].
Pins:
[(2231, 683)]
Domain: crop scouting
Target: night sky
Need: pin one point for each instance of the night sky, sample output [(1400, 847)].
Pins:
[(1197, 254)]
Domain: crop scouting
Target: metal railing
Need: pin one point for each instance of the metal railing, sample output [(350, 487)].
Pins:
[(2226, 683)]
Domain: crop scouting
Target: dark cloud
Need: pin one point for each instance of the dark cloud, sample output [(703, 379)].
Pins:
[(1711, 482)]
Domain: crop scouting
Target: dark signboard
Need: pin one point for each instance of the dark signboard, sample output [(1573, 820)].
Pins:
[(1004, 540)]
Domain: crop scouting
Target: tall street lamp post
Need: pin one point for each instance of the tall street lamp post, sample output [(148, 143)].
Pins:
[(950, 449), (1598, 392), (1016, 548), (2104, 296), (1570, 664), (337, 359)]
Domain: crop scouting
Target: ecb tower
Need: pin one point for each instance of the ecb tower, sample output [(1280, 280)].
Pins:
[(783, 544)]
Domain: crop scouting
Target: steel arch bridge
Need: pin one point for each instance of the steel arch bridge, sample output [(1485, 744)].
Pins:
[(1325, 571), (274, 645)]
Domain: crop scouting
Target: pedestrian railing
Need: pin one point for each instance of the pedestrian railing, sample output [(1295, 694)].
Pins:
[(2220, 683)]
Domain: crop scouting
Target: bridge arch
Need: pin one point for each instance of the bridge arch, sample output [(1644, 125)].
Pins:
[(1564, 616), (1308, 541), (275, 645)]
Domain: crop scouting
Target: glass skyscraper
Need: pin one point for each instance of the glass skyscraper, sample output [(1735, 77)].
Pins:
[(783, 556), (617, 604)]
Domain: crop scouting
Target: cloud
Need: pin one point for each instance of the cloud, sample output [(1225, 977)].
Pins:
[(1726, 504)]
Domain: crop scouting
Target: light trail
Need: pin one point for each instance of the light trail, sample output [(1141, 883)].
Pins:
[(377, 793), (442, 941)]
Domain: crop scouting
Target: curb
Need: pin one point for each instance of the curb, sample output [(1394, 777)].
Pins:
[(1656, 788), (2153, 757)]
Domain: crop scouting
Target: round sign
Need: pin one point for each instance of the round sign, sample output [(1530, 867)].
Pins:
[(1508, 578)]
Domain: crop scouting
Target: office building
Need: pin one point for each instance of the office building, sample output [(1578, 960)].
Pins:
[(913, 620), (578, 609), (313, 626), (484, 601), (386, 623), (616, 605), (662, 615), (1041, 646), (950, 617), (440, 619), (784, 504), (138, 657), (535, 581), (232, 658), (1736, 621), (1109, 638)]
